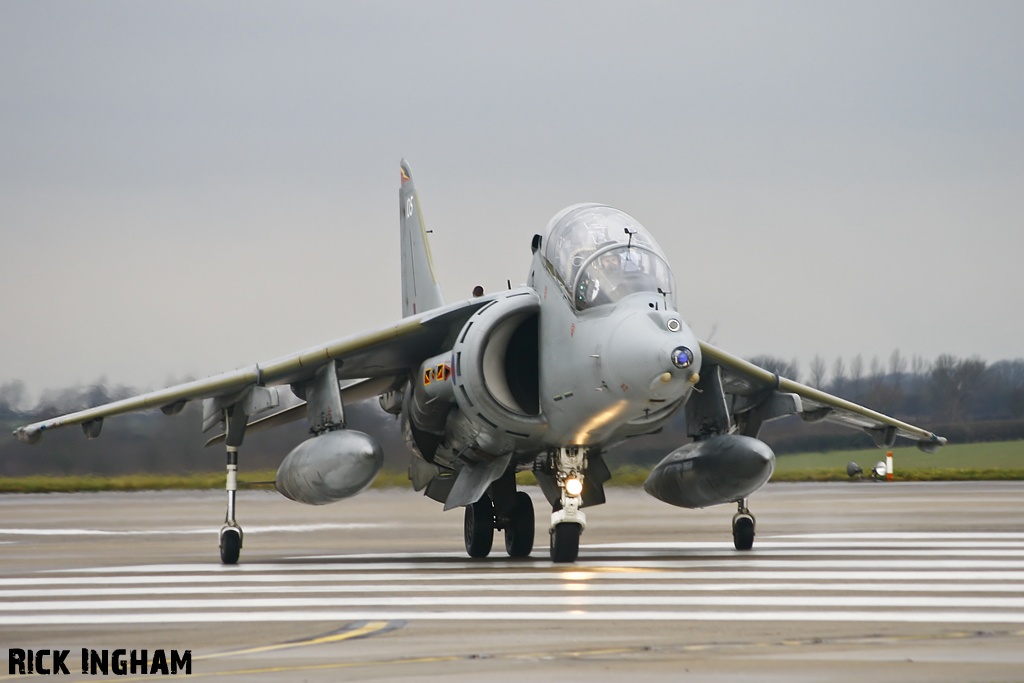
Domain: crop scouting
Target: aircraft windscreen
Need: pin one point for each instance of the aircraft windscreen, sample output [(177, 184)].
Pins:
[(602, 254)]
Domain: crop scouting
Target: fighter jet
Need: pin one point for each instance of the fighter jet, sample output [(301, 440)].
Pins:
[(545, 377)]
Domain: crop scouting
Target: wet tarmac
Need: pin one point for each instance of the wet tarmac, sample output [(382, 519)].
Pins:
[(848, 581)]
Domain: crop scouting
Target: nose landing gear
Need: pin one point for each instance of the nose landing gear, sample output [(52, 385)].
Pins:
[(568, 522)]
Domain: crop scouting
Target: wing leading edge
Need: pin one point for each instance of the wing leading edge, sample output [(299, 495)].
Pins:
[(390, 351), (745, 379)]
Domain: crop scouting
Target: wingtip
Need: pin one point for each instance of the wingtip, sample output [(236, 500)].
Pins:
[(28, 434)]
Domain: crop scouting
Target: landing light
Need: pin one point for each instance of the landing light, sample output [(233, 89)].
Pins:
[(573, 487)]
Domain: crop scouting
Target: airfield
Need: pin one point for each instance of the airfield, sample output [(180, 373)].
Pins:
[(846, 582)]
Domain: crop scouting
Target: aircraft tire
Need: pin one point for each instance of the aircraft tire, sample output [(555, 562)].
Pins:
[(230, 546), (565, 542), (519, 532), (479, 527), (743, 533)]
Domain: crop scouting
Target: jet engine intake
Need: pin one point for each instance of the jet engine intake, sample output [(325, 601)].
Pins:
[(720, 469), (496, 378), (326, 468)]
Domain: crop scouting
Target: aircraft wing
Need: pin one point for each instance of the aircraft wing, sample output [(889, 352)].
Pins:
[(744, 379), (386, 353)]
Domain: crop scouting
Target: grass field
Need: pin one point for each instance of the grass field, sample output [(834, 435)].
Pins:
[(1000, 455), (980, 461)]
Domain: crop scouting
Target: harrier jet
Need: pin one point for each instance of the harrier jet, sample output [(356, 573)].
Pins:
[(545, 377)]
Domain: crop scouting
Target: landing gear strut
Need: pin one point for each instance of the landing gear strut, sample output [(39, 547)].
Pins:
[(743, 527), (231, 532)]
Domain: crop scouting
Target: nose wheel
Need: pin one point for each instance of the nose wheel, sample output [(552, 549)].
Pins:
[(743, 527), (565, 542)]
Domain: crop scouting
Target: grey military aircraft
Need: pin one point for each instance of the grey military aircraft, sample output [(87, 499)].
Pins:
[(544, 377)]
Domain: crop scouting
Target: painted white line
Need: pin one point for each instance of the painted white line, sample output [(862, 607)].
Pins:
[(581, 600), (559, 587), (902, 616), (786, 545), (289, 528), (918, 535), (654, 550), (736, 560), (767, 552), (554, 575)]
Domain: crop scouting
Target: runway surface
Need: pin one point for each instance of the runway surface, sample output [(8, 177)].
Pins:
[(845, 581)]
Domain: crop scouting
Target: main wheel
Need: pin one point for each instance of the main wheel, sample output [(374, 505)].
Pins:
[(519, 532), (230, 545), (743, 533), (565, 542), (479, 527)]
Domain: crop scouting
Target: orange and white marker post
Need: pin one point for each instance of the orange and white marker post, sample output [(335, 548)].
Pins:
[(888, 465)]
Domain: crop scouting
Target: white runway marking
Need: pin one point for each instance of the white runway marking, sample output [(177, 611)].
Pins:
[(828, 577), (911, 535), (649, 587), (815, 545), (576, 615), (587, 561), (484, 575), (577, 599), (289, 528)]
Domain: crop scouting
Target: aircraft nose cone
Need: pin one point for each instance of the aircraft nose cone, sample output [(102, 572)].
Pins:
[(652, 356)]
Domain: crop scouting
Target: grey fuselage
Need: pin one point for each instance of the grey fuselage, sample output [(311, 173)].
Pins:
[(589, 352)]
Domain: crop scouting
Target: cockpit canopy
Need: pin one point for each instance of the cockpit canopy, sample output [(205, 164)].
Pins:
[(602, 254)]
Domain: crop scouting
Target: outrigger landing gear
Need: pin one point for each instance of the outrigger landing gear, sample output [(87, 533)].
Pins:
[(231, 533), (743, 527), (568, 522)]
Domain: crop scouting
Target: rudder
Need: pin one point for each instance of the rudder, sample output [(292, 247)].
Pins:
[(420, 289)]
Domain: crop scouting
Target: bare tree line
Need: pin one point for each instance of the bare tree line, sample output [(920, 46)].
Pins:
[(948, 389)]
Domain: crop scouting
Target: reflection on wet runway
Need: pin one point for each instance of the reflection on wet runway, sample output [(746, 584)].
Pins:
[(908, 577)]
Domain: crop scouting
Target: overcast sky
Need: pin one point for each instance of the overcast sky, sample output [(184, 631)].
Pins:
[(190, 187)]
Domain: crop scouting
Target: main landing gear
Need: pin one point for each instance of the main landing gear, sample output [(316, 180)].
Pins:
[(743, 527), (503, 508)]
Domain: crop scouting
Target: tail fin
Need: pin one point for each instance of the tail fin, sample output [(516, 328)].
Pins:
[(420, 290)]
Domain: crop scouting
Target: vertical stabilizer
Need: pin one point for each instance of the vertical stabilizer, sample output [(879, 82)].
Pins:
[(420, 290)]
